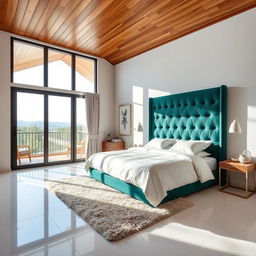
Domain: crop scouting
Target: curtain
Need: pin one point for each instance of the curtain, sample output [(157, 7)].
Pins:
[(92, 112)]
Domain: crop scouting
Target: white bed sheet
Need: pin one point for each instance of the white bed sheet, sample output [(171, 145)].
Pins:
[(211, 162)]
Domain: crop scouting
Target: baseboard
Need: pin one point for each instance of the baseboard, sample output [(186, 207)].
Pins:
[(5, 171)]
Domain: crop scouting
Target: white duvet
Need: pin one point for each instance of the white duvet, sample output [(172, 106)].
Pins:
[(154, 171)]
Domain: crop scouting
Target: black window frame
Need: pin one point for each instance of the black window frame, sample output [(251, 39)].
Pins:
[(73, 94), (46, 94), (45, 78)]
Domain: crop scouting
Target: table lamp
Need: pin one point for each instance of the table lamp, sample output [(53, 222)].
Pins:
[(140, 127), (235, 128)]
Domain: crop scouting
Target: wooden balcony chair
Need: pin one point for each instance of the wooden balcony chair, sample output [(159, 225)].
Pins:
[(80, 148), (23, 151)]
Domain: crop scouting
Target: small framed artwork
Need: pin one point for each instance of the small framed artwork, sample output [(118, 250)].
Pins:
[(125, 119)]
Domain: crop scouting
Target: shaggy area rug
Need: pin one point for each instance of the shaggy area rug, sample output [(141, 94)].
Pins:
[(111, 213)]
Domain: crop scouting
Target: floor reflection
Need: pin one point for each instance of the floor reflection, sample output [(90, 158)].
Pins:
[(34, 222), (41, 218)]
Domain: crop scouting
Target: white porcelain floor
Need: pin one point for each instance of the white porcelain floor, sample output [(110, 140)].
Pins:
[(35, 222)]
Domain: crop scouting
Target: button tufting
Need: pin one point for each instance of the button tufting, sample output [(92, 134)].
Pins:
[(186, 118)]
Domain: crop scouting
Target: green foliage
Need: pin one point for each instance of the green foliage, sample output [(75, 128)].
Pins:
[(59, 138), (33, 128)]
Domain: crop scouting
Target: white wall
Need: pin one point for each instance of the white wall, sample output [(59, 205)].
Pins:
[(224, 53), (105, 88)]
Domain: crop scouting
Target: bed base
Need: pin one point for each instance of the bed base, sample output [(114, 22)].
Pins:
[(137, 192)]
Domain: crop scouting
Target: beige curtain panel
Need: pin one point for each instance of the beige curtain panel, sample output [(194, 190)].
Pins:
[(92, 111)]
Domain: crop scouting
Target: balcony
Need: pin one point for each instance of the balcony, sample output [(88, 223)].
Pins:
[(59, 147)]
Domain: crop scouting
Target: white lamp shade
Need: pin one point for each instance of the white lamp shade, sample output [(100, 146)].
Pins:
[(235, 127), (140, 127)]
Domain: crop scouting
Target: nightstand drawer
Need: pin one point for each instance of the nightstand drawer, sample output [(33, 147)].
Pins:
[(237, 166), (111, 146)]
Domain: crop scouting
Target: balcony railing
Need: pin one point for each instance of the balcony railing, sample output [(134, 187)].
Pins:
[(58, 142)]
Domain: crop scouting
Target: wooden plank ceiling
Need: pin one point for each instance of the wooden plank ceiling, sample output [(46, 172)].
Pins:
[(113, 29)]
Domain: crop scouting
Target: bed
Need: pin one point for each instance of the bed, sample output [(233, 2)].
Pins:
[(196, 115)]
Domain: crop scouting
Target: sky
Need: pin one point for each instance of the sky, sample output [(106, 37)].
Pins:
[(30, 107)]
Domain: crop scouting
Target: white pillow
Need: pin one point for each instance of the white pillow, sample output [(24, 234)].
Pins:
[(203, 154), (198, 146), (191, 147), (160, 143)]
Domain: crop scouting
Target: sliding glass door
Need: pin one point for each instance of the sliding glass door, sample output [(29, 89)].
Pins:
[(30, 128), (59, 128), (47, 127)]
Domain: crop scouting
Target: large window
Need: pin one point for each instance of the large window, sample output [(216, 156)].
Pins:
[(49, 124), (40, 65)]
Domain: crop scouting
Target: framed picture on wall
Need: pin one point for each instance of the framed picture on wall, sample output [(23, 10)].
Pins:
[(125, 119)]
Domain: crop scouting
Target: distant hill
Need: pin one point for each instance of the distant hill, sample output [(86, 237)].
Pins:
[(52, 125), (28, 123)]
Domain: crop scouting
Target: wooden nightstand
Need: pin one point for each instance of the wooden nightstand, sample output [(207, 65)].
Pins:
[(110, 146), (229, 165)]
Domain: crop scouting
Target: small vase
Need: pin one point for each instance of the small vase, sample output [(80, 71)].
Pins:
[(243, 159)]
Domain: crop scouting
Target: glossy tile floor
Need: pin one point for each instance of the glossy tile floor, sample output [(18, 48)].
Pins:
[(35, 222)]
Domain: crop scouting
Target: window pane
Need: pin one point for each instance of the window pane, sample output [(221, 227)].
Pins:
[(84, 74), (30, 128), (59, 70), (28, 65), (59, 138), (80, 128)]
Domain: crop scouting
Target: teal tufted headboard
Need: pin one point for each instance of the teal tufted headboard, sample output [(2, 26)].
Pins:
[(196, 115)]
